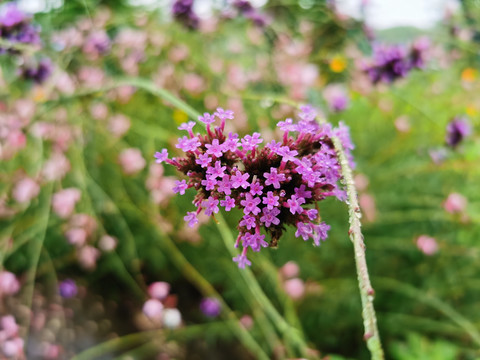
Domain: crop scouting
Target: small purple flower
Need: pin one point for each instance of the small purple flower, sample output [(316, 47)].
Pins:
[(38, 73), (228, 203), (248, 221), (187, 144), (217, 171), (256, 188), (255, 241), (271, 200), (224, 114), (161, 156), (203, 160), (301, 192), (191, 218), (286, 125), (287, 153), (240, 180), (210, 307), (274, 178), (294, 204), (242, 260), (215, 148), (211, 206), (225, 186), (304, 230), (312, 214), (320, 232), (67, 288), (457, 129), (269, 217), (250, 204), (207, 118), (209, 183), (187, 126), (251, 142), (274, 146), (180, 187), (231, 143)]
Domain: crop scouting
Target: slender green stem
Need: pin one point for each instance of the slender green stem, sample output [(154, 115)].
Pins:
[(208, 290), (371, 336)]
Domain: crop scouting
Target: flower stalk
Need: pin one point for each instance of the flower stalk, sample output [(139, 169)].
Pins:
[(372, 336)]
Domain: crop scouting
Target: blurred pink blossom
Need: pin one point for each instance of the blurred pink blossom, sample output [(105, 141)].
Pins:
[(426, 244), (107, 243), (402, 124), (153, 309), (13, 347), (99, 111), (367, 203), (295, 288), (56, 167), (25, 190), (87, 256), (9, 327), (64, 201), (161, 187), (9, 284), (131, 161), (76, 236), (119, 125), (455, 203), (91, 77), (159, 290), (84, 221), (290, 270), (193, 83), (246, 321)]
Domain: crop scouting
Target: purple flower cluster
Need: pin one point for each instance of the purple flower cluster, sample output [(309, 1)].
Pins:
[(457, 129), (248, 11), (15, 26), (391, 62), (183, 12), (40, 72), (274, 186)]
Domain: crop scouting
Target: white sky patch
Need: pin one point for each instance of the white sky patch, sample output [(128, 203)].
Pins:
[(383, 14)]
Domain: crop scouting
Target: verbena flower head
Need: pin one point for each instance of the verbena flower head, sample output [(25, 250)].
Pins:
[(274, 186), (16, 27), (457, 129), (391, 62), (182, 11), (40, 72)]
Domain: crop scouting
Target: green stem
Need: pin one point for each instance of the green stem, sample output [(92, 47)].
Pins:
[(366, 291), (208, 290)]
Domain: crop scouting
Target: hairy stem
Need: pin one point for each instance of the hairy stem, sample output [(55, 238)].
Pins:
[(371, 336)]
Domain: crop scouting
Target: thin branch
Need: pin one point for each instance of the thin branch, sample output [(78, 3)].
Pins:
[(371, 336)]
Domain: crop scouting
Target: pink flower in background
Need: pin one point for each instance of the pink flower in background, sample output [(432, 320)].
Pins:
[(87, 256), (107, 243), (64, 201), (295, 288), (25, 190), (118, 125), (13, 347), (131, 161), (290, 270), (84, 221), (426, 244), (99, 111), (455, 203), (56, 167), (159, 290), (246, 321), (153, 309), (9, 327), (402, 124), (367, 204), (9, 284), (76, 236), (336, 97), (160, 186)]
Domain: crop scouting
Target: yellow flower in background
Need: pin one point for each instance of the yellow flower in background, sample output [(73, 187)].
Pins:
[(180, 116), (338, 64), (469, 74), (471, 110), (39, 95)]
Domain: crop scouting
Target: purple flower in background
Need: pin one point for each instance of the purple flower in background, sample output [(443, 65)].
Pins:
[(182, 11), (40, 72), (15, 26), (67, 288), (457, 129), (336, 97), (248, 11), (211, 307), (274, 186)]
